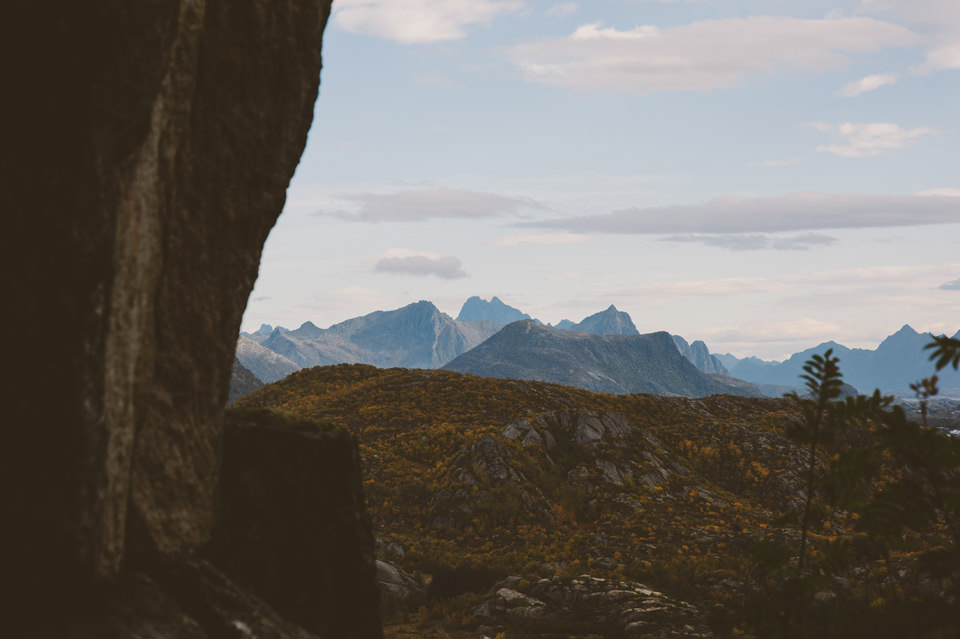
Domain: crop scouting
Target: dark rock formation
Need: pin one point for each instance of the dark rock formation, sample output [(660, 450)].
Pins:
[(143, 200), (147, 152), (185, 599), (291, 524)]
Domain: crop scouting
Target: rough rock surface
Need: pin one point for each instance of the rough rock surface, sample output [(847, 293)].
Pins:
[(394, 582), (625, 609), (292, 525), (150, 155), (184, 599)]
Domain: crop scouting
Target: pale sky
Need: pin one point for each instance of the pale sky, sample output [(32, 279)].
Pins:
[(763, 175)]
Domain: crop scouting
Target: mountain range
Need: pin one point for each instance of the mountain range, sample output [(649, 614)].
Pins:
[(415, 336), (420, 336), (897, 362)]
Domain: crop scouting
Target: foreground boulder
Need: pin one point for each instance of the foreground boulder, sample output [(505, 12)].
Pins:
[(292, 525)]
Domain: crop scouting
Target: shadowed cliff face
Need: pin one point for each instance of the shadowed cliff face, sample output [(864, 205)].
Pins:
[(149, 152)]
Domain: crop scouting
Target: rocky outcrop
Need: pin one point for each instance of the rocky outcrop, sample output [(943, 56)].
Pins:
[(617, 608), (394, 582), (291, 524), (148, 158)]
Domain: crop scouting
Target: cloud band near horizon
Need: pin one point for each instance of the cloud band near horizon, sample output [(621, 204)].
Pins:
[(772, 214)]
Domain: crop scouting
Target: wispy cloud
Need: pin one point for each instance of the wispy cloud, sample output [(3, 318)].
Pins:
[(941, 192), (418, 21), (416, 206), (868, 139), (700, 56), (444, 267), (937, 20), (869, 83), (779, 214), (540, 238), (756, 241), (874, 282)]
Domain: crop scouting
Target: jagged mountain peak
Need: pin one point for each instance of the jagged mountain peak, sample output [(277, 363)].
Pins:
[(417, 335), (700, 356), (477, 309), (607, 322)]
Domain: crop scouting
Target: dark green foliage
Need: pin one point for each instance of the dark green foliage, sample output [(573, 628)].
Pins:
[(901, 481), (946, 351)]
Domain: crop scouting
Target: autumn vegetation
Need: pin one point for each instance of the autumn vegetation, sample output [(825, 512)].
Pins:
[(808, 516)]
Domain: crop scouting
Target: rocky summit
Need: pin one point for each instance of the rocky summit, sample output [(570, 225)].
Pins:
[(476, 309), (607, 322)]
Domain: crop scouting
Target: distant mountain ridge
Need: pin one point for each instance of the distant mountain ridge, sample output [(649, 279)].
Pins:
[(420, 336), (274, 352), (620, 364), (896, 363)]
